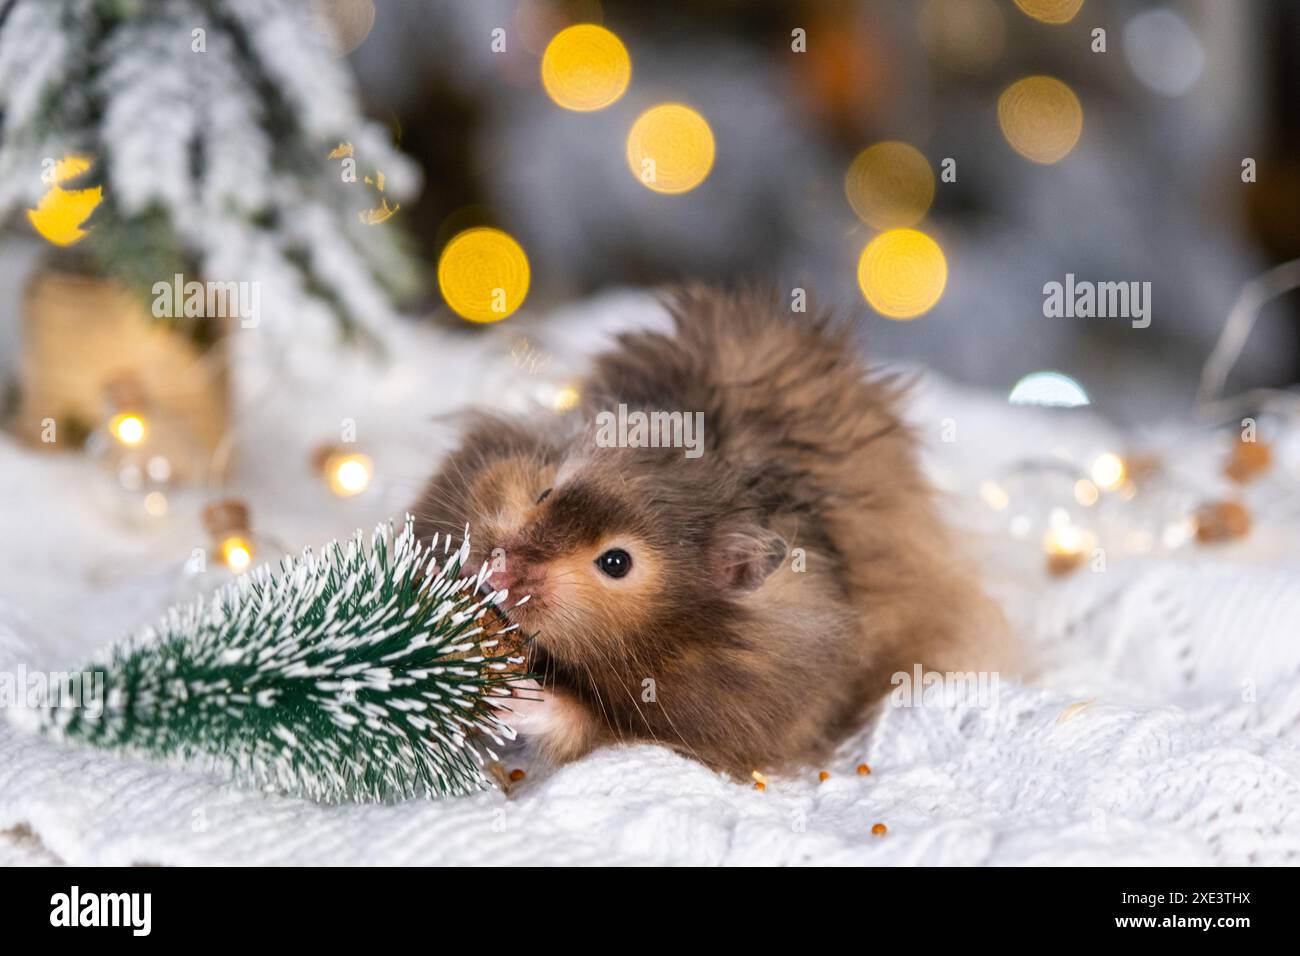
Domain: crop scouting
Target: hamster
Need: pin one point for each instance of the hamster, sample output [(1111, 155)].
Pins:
[(743, 601)]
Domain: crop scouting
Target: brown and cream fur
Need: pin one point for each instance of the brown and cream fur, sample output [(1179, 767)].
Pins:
[(777, 581)]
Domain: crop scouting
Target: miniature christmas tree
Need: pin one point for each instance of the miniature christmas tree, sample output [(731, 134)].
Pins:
[(356, 674), (227, 144)]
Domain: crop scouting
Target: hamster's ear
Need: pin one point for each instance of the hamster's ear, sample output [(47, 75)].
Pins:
[(745, 558)]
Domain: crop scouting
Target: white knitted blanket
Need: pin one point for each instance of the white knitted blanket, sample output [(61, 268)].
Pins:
[(1160, 723)]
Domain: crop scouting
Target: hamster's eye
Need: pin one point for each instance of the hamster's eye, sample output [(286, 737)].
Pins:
[(543, 496), (615, 563)]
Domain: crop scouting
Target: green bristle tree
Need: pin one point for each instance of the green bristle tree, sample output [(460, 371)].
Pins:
[(355, 674)]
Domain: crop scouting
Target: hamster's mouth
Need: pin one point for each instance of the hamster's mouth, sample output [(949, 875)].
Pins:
[(550, 671), (536, 659)]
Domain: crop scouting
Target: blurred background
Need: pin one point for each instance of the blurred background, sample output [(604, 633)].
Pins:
[(1171, 99), (1151, 190), (253, 251)]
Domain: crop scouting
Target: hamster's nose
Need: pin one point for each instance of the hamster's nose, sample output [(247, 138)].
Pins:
[(513, 576)]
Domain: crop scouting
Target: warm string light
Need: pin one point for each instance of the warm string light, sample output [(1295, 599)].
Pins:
[(236, 553), (994, 495), (483, 274), (902, 273), (1066, 545), (128, 428), (890, 185), (143, 459), (1147, 509), (1086, 492), (348, 473), (1108, 471), (1041, 118), (1057, 509), (585, 67), (670, 148), (229, 527)]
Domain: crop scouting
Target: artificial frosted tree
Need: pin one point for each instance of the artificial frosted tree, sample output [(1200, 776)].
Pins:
[(360, 673)]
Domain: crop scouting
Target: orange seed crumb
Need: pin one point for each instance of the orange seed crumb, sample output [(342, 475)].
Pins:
[(863, 770), (516, 775), (823, 776), (879, 830)]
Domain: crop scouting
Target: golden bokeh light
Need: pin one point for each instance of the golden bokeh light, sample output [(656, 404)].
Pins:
[(1108, 471), (483, 274), (994, 495), (1050, 11), (59, 215), (890, 185), (1066, 546), (902, 273), (155, 504), (1066, 538), (128, 428), (670, 148), (585, 67), (1086, 493), (349, 474), (236, 553), (1041, 118)]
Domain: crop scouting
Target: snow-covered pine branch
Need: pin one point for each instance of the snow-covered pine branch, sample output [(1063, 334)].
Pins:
[(217, 157), (356, 674)]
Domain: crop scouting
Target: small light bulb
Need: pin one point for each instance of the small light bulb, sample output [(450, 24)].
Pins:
[(1086, 493), (1108, 471), (155, 504), (994, 495), (128, 428), (1065, 539), (1065, 546), (349, 474), (236, 553)]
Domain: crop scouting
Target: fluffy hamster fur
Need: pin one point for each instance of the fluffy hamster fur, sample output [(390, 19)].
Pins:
[(777, 581)]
